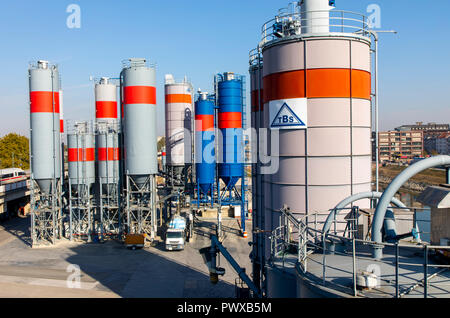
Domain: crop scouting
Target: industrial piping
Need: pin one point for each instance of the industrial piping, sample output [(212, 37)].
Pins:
[(392, 189), (364, 195)]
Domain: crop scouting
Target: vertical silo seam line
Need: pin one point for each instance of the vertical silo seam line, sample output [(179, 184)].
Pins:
[(350, 42), (305, 59)]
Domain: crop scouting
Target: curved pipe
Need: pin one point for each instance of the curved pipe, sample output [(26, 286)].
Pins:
[(364, 195), (392, 189)]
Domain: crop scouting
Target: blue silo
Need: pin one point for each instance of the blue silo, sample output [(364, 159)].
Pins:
[(205, 160)]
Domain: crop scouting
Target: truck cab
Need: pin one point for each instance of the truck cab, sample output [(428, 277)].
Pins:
[(176, 234)]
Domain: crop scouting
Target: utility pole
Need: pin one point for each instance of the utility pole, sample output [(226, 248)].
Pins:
[(377, 159)]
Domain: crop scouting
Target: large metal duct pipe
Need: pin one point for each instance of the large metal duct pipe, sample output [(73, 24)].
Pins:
[(356, 197), (392, 189)]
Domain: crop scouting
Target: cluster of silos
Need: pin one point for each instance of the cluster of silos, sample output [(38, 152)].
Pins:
[(317, 109), (107, 133), (179, 112), (138, 89), (205, 155), (81, 155), (81, 162)]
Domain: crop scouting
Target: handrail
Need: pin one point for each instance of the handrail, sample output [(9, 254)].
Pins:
[(347, 22)]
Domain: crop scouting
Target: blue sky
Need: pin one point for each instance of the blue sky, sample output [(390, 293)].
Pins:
[(200, 38)]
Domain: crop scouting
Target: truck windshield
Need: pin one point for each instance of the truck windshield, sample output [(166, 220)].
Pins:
[(174, 234)]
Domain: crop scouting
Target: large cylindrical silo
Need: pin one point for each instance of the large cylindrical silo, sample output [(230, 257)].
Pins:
[(45, 124), (205, 157), (139, 122), (178, 100), (230, 126), (81, 157), (317, 91)]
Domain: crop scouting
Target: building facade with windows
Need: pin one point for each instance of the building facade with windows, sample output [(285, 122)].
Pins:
[(438, 144), (400, 145), (430, 129)]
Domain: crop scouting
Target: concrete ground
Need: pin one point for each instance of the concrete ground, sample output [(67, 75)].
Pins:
[(110, 270)]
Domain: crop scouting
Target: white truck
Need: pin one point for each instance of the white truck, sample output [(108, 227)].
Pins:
[(176, 234)]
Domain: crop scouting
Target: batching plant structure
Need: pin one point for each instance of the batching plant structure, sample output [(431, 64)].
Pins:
[(107, 134), (81, 157), (317, 97), (179, 127), (205, 156), (138, 87), (230, 101), (45, 152)]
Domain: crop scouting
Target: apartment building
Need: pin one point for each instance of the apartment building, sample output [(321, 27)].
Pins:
[(400, 145)]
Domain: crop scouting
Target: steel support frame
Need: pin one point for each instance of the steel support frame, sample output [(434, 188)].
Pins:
[(140, 207), (81, 214), (45, 215), (109, 203)]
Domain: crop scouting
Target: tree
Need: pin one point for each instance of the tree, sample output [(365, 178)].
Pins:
[(14, 152), (161, 143)]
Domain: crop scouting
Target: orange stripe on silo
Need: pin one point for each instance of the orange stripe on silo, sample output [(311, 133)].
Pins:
[(326, 83), (140, 95), (57, 100), (89, 154), (178, 98), (72, 154), (80, 154), (284, 85), (204, 122), (361, 84), (105, 109), (110, 154), (320, 83), (42, 102)]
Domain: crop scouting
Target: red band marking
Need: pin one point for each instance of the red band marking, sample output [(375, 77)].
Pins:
[(75, 155), (41, 102), (105, 109), (230, 120), (204, 122), (178, 98), (317, 83), (110, 154), (140, 95)]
